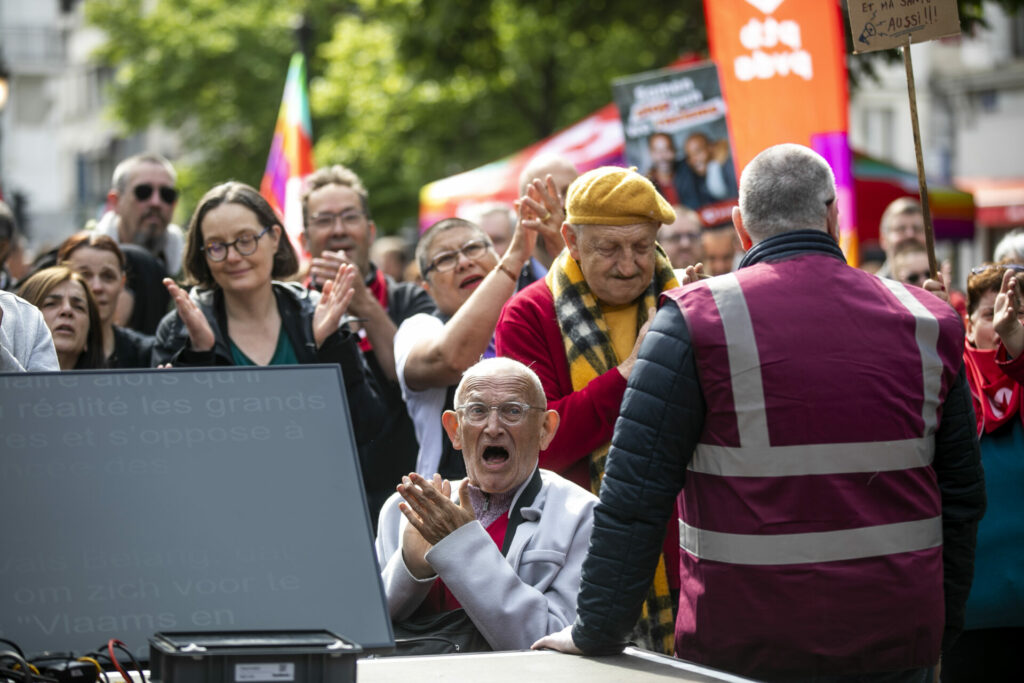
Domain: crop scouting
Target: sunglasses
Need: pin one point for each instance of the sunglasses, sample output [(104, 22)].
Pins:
[(143, 191), (916, 278), (1015, 267)]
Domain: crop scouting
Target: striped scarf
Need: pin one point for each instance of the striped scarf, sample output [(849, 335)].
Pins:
[(589, 352)]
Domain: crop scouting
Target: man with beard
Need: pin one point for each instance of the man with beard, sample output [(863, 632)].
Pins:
[(140, 206)]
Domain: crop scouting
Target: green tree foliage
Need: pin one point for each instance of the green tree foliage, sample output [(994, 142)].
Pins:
[(403, 91)]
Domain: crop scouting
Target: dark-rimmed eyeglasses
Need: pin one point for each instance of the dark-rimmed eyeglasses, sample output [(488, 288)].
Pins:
[(447, 260), (510, 412), (143, 191), (245, 245), (1015, 267), (326, 220)]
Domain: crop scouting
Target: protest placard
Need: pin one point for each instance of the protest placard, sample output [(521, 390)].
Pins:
[(676, 134), (884, 24)]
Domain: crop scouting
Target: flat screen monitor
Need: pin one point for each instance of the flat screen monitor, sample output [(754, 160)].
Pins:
[(139, 501)]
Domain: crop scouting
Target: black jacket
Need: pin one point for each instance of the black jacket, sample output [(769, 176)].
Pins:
[(660, 422), (132, 349), (391, 455), (296, 306)]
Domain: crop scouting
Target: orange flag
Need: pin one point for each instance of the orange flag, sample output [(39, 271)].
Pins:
[(782, 66)]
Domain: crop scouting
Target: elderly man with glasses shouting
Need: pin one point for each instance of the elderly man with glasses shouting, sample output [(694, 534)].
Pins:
[(469, 283), (501, 550), (140, 206)]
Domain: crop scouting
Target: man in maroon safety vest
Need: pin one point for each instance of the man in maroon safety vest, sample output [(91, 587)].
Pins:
[(815, 424)]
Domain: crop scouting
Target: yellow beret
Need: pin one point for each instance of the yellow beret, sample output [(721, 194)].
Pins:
[(610, 195)]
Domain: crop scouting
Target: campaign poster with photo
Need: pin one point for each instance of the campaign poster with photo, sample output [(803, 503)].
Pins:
[(676, 134)]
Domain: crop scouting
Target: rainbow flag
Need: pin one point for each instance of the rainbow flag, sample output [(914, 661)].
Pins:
[(291, 152)]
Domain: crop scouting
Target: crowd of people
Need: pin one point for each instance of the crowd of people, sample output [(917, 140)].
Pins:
[(793, 457)]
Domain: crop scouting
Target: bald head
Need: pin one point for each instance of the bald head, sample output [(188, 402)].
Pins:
[(491, 368), (562, 171)]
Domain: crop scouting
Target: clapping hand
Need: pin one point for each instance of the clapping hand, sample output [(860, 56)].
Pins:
[(199, 331), (429, 508), (334, 301)]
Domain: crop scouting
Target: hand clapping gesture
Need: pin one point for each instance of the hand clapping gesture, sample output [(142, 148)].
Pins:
[(429, 508), (334, 301), (199, 331)]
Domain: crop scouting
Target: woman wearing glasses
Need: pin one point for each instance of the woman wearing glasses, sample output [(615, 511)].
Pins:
[(99, 260), (988, 649), (239, 315)]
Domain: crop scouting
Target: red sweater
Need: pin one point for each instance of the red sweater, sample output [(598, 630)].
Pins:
[(528, 332)]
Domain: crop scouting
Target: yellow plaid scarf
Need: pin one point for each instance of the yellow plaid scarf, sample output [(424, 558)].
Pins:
[(589, 352)]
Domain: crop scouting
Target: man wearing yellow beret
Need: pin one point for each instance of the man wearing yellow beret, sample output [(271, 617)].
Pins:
[(580, 329)]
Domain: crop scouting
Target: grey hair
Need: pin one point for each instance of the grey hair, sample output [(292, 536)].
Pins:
[(784, 188), (1011, 246), (126, 168), (503, 366), (443, 225)]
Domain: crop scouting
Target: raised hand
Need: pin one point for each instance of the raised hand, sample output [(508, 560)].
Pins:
[(541, 210), (1007, 312), (334, 301), (199, 331)]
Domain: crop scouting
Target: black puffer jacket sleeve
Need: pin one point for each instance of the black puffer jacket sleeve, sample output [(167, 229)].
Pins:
[(961, 480), (366, 407), (658, 427)]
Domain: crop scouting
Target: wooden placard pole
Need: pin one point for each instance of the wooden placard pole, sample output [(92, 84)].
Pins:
[(929, 232), (885, 24)]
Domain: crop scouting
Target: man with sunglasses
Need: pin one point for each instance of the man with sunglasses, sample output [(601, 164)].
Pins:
[(140, 206), (340, 229), (506, 543), (910, 264), (470, 283)]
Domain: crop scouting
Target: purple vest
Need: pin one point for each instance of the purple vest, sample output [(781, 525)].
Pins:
[(810, 523)]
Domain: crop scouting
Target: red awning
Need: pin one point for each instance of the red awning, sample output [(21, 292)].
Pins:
[(999, 203)]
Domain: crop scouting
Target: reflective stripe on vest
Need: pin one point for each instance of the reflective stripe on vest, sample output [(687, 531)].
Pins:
[(926, 332), (756, 457), (744, 360), (822, 546), (830, 458)]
